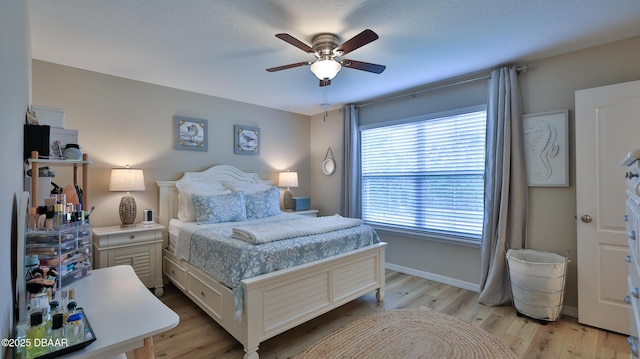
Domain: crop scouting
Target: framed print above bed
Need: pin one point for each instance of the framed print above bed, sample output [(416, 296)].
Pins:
[(246, 140), (190, 134)]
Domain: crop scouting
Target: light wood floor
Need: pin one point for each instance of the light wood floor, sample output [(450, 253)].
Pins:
[(198, 336)]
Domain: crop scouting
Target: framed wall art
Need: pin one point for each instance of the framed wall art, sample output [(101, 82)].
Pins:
[(246, 140), (546, 152), (190, 134)]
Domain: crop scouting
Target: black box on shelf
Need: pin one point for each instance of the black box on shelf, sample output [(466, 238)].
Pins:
[(36, 138)]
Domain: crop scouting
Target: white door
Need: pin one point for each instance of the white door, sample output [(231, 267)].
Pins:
[(607, 127)]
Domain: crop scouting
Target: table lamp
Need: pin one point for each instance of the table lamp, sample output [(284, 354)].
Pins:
[(288, 179), (127, 180)]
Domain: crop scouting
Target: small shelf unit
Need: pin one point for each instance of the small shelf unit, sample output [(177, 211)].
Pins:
[(35, 162)]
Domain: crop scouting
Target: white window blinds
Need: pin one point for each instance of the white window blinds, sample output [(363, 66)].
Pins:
[(426, 175)]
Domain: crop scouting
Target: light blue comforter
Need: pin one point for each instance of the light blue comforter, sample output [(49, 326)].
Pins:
[(231, 260)]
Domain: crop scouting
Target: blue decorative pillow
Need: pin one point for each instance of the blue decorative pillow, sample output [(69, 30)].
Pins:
[(222, 208), (263, 204)]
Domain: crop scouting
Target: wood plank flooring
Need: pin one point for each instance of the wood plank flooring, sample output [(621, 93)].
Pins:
[(198, 336)]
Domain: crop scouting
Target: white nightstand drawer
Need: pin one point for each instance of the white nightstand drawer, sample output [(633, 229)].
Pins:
[(131, 238)]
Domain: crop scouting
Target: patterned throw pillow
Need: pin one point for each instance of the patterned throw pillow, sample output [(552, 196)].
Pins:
[(223, 208), (263, 204)]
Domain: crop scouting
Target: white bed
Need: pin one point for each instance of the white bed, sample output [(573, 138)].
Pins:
[(276, 301)]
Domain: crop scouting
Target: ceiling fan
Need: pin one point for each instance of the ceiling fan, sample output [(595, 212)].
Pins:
[(326, 48)]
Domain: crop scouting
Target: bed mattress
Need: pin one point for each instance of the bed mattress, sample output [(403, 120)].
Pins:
[(229, 260)]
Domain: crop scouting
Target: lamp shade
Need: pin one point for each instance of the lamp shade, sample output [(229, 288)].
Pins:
[(325, 69), (288, 179), (126, 180)]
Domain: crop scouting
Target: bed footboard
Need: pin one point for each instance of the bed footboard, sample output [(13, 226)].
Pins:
[(278, 301)]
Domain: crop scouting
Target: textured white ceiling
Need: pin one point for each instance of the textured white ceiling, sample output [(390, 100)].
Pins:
[(222, 47)]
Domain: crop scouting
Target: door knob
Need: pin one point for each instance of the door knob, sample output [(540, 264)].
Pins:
[(586, 218)]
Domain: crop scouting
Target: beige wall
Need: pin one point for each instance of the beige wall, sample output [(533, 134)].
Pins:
[(326, 131), (549, 85), (122, 122), (15, 55)]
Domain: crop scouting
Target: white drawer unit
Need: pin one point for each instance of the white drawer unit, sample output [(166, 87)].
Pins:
[(139, 247), (631, 219)]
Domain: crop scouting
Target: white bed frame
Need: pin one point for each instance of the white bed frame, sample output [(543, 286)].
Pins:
[(277, 301)]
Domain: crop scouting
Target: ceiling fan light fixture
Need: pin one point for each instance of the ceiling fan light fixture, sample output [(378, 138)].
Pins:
[(325, 69)]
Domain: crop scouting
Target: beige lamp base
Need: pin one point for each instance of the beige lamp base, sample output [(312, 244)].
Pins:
[(287, 198), (127, 211)]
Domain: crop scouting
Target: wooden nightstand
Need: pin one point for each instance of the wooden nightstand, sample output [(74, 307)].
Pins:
[(306, 212), (139, 246)]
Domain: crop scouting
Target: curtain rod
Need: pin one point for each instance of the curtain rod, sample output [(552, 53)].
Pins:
[(523, 68)]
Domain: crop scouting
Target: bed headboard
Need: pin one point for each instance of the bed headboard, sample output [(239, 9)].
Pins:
[(168, 206)]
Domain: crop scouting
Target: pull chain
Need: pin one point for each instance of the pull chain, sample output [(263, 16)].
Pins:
[(325, 105)]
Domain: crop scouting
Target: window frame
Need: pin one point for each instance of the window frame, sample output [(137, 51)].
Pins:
[(435, 235)]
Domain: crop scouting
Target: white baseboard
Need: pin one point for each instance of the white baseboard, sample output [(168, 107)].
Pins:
[(568, 311), (434, 277)]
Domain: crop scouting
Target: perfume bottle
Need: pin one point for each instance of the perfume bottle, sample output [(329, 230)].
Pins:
[(74, 328), (46, 319), (36, 331), (72, 305), (55, 307), (64, 295), (57, 327)]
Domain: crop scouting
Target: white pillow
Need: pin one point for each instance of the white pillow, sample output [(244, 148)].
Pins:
[(246, 187), (186, 210)]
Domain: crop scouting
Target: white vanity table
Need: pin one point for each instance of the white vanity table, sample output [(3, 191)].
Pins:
[(123, 313)]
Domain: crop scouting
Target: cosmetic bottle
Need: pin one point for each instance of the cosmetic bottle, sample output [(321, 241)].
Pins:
[(49, 222), (61, 198), (46, 319), (69, 213), (72, 305), (42, 215), (36, 331), (57, 327), (59, 218), (20, 352), (55, 307), (50, 203), (34, 304), (32, 219), (64, 296), (74, 328)]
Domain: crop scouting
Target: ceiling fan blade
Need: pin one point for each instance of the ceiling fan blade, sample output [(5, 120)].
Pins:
[(290, 66), (364, 66), (357, 41), (325, 82), (295, 42)]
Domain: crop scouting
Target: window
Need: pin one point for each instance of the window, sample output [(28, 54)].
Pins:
[(426, 175)]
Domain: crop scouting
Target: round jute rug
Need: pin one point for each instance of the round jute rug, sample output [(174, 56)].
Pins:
[(409, 333)]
